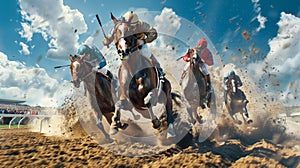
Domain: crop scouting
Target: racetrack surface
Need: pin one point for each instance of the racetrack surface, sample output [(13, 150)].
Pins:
[(23, 148)]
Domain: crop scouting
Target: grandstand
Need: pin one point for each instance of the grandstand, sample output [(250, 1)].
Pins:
[(11, 102)]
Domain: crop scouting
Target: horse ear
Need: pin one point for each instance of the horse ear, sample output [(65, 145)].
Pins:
[(71, 58), (113, 18)]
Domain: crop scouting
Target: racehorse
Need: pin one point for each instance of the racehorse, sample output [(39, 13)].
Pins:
[(98, 89), (194, 87), (236, 102), (140, 85)]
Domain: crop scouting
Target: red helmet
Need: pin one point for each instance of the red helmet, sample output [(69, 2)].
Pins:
[(202, 42)]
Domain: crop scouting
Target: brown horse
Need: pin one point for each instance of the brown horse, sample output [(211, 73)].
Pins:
[(194, 87), (140, 85), (98, 89), (236, 102)]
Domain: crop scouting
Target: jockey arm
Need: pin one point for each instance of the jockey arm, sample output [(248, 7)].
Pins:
[(238, 81), (107, 40), (186, 57), (145, 32)]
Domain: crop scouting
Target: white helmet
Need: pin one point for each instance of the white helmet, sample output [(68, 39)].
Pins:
[(132, 15)]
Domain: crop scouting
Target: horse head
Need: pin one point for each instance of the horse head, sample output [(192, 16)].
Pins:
[(232, 85), (79, 68), (124, 38)]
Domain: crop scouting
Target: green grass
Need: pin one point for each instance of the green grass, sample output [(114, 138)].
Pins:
[(14, 126)]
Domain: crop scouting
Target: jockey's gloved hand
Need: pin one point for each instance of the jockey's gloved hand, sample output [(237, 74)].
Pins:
[(107, 40)]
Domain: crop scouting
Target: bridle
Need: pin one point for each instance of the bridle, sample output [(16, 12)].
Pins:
[(80, 79), (128, 37)]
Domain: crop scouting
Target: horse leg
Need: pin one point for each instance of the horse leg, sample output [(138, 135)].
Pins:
[(231, 112), (246, 116), (155, 122), (100, 125), (116, 122), (169, 109)]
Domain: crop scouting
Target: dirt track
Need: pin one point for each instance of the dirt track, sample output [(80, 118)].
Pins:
[(21, 148)]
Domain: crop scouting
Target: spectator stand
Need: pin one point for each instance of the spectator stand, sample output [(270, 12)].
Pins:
[(14, 112)]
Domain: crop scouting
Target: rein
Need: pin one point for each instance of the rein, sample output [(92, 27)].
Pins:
[(87, 75)]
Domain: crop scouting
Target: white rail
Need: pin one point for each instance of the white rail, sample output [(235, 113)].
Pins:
[(23, 116)]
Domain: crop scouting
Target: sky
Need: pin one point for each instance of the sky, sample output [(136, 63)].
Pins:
[(259, 36)]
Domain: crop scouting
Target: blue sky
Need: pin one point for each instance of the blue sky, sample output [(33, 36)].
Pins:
[(222, 21)]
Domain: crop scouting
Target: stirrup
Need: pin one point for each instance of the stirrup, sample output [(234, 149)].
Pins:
[(161, 72)]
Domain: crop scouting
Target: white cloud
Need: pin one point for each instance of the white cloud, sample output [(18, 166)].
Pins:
[(261, 19), (26, 32), (167, 22), (282, 64), (26, 83), (291, 95), (24, 49), (55, 22)]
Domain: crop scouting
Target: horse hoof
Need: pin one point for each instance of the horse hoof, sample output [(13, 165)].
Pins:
[(249, 121), (124, 126), (239, 122), (155, 123), (109, 140), (170, 131), (113, 131), (203, 106)]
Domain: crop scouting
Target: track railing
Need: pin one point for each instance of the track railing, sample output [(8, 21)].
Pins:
[(40, 117)]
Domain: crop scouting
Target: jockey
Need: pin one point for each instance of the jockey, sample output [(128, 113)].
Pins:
[(145, 34), (238, 84), (238, 81), (236, 78), (97, 60), (206, 60)]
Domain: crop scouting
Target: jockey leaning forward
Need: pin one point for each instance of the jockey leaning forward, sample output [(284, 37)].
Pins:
[(144, 33), (97, 60), (204, 53), (238, 82)]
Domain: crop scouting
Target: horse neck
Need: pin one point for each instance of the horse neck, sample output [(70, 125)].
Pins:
[(194, 69), (89, 80), (232, 85)]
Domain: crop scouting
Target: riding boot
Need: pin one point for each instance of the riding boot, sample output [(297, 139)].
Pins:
[(246, 116), (113, 81), (182, 76), (209, 89), (110, 75), (157, 65)]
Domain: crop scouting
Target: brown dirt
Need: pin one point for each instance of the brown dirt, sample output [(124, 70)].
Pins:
[(22, 148)]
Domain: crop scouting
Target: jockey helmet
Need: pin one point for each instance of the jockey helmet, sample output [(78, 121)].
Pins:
[(232, 73), (83, 49), (202, 42), (132, 15)]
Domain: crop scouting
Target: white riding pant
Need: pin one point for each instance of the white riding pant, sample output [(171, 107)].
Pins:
[(103, 70)]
